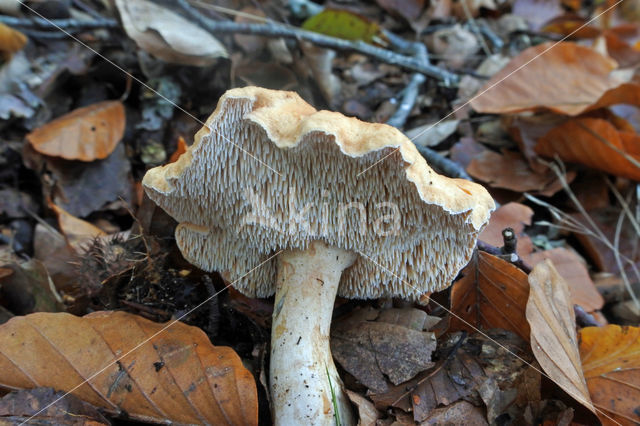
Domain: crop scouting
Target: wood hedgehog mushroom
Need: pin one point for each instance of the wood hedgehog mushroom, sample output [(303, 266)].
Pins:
[(397, 230)]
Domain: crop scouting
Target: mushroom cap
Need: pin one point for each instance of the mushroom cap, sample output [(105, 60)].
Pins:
[(234, 212)]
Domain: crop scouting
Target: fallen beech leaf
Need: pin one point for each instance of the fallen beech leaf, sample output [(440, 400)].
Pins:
[(595, 143), (566, 78), (178, 376), (492, 293), (76, 231), (536, 12), (408, 9), (57, 409), (509, 170), (11, 40), (553, 331), (573, 270), (611, 364), (367, 412), (167, 35), (573, 24), (86, 134), (372, 350)]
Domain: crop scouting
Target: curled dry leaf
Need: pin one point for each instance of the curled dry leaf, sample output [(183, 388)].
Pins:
[(177, 376), (611, 364), (553, 331), (492, 293), (167, 35), (11, 40), (565, 77), (595, 143), (86, 134)]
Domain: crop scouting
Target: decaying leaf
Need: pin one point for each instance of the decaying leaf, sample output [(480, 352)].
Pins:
[(86, 134), (565, 77), (595, 143), (553, 331), (167, 35), (178, 376), (50, 407), (611, 364), (372, 350), (492, 293), (478, 369)]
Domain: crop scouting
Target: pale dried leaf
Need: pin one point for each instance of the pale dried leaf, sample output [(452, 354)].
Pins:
[(167, 35), (553, 331)]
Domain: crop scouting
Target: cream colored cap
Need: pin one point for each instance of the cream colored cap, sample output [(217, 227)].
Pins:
[(234, 212)]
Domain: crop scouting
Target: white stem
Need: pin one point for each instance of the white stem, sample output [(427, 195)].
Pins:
[(300, 355)]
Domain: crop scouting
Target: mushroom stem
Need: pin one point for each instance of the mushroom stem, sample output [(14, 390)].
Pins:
[(301, 361)]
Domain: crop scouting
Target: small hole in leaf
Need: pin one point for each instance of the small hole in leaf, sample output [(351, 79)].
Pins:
[(93, 128)]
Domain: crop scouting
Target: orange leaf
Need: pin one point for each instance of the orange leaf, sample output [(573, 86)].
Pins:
[(553, 331), (85, 134), (566, 78), (177, 376), (611, 364), (491, 294), (572, 24), (595, 143), (11, 40), (180, 149)]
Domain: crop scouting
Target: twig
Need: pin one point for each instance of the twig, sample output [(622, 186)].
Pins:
[(410, 93), (279, 30), (442, 164), (512, 258), (67, 24)]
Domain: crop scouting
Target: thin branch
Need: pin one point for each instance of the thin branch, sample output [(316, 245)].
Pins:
[(279, 30), (67, 24)]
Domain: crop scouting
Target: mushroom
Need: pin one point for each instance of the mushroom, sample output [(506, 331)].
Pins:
[(340, 230)]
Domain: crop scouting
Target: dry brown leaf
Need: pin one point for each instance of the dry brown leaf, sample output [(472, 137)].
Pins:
[(567, 78), (86, 134), (595, 143), (509, 170), (167, 35), (573, 270), (611, 364), (177, 376), (492, 293), (11, 40), (553, 331), (76, 231)]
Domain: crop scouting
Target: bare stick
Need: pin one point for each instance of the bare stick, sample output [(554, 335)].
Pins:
[(279, 30)]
